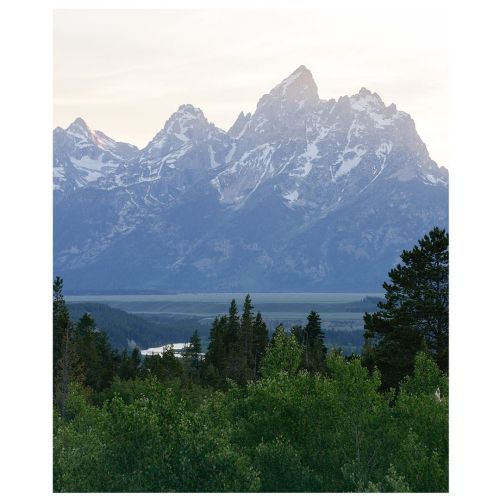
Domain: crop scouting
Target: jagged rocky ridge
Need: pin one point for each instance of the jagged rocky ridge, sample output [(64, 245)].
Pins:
[(304, 194)]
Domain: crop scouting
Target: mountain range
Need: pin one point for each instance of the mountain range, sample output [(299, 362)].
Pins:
[(305, 194)]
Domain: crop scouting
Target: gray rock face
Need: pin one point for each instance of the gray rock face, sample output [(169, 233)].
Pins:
[(303, 195)]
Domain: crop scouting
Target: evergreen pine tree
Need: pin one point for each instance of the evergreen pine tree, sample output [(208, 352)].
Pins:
[(236, 366), (232, 335), (247, 334), (192, 352), (215, 352), (164, 366), (65, 360), (60, 320), (98, 359), (313, 343), (171, 367), (261, 341), (129, 364), (414, 315), (212, 370)]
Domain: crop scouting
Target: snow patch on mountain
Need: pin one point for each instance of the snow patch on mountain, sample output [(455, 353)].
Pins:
[(350, 160), (229, 156), (292, 197), (213, 163)]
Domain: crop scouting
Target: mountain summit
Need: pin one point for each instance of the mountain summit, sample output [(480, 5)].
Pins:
[(299, 87), (302, 195)]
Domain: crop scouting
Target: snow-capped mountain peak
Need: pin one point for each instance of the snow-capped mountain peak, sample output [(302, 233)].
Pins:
[(78, 124), (83, 156), (301, 143), (186, 129), (282, 112), (80, 130), (304, 193), (186, 124), (185, 117), (295, 93), (84, 138), (298, 87), (366, 100)]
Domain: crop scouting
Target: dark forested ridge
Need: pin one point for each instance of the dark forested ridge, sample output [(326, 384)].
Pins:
[(126, 330), (263, 411)]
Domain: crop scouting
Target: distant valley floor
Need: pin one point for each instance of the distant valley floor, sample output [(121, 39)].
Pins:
[(151, 320)]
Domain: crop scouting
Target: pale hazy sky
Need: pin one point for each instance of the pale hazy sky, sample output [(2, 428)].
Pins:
[(125, 72)]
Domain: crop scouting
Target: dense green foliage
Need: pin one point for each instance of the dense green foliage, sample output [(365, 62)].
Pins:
[(414, 315), (285, 432), (253, 414)]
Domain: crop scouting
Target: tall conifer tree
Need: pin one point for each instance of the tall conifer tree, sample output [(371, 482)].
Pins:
[(99, 361), (192, 352), (236, 366), (65, 360), (60, 318), (261, 341), (313, 342), (414, 314), (247, 333)]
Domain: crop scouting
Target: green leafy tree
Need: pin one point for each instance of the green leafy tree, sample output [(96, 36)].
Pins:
[(282, 355), (417, 429), (330, 428), (289, 431), (360, 413), (282, 469), (414, 315), (150, 443)]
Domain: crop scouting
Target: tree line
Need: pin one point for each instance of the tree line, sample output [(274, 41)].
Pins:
[(261, 412), (237, 344)]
